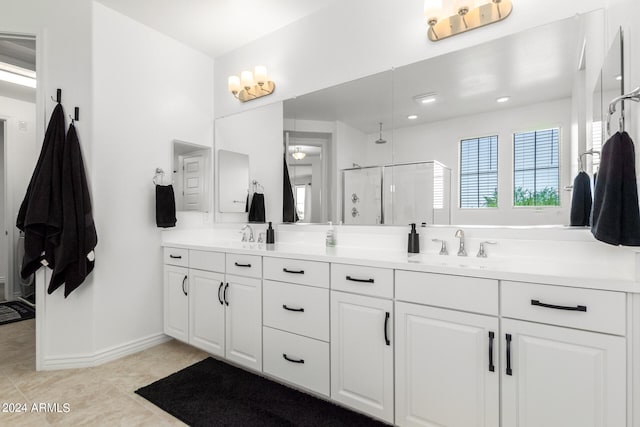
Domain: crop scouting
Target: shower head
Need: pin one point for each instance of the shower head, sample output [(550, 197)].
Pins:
[(380, 140)]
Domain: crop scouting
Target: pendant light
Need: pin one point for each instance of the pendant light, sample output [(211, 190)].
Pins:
[(380, 140)]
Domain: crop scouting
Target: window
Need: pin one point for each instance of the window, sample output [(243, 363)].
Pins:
[(479, 172), (300, 196), (535, 168)]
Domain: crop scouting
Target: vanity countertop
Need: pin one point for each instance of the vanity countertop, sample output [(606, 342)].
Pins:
[(519, 269)]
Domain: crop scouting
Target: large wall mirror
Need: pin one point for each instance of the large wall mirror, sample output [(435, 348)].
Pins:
[(192, 176), (486, 135)]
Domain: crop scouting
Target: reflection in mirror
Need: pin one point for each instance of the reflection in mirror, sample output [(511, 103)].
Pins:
[(233, 181), (191, 176), (482, 109), (608, 86)]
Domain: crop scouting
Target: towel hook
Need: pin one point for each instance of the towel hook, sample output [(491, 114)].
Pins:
[(256, 186), (76, 115), (159, 173), (634, 96), (58, 97)]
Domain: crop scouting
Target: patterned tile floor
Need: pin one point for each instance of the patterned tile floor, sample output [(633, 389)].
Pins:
[(98, 396)]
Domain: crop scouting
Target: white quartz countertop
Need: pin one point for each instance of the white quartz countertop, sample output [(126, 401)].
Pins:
[(519, 269)]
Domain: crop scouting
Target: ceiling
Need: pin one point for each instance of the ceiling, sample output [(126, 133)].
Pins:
[(216, 26), (22, 53), (533, 66)]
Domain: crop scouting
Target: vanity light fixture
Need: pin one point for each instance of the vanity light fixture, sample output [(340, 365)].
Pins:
[(298, 154), (251, 85), (502, 99), (18, 75), (412, 117), (447, 18)]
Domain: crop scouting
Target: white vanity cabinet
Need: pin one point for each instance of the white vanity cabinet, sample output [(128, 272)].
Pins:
[(176, 302), (562, 373), (362, 339), (447, 370)]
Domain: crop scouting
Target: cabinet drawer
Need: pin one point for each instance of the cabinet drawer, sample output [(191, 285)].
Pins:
[(298, 360), (295, 308), (176, 256), (589, 309), (203, 260), (442, 290), (310, 273), (244, 265), (372, 281)]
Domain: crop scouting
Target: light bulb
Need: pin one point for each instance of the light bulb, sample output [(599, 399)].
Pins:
[(247, 79), (234, 84), (433, 11), (260, 74)]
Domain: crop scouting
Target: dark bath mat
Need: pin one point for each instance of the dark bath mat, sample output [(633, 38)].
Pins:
[(213, 393), (14, 311)]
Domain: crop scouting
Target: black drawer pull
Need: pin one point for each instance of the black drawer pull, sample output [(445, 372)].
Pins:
[(492, 368), (286, 270), (353, 279), (509, 371), (175, 256), (219, 289), (292, 360), (559, 307), (242, 265), (183, 283), (301, 310), (225, 294), (386, 328)]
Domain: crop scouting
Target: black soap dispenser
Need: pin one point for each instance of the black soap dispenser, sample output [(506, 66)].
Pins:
[(271, 235), (414, 241)]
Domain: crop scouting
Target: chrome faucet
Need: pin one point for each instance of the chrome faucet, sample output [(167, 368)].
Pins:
[(460, 235), (482, 253), (244, 235), (443, 248)]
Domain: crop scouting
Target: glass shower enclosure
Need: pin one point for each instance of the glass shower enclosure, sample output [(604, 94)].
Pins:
[(399, 194)]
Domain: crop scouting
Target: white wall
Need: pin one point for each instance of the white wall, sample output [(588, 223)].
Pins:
[(148, 90), (21, 150), (258, 133), (441, 141)]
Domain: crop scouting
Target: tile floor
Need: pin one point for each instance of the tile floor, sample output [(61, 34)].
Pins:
[(98, 396)]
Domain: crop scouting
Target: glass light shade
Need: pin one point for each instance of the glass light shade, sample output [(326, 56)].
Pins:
[(260, 74), (246, 78), (433, 10), (234, 84)]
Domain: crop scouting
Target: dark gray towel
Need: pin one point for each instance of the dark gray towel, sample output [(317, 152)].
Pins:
[(289, 211), (257, 211), (165, 206), (616, 217), (581, 200)]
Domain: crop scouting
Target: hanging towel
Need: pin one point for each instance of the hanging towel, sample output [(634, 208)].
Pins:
[(256, 211), (289, 213), (78, 238), (165, 206), (40, 214), (581, 200), (616, 217)]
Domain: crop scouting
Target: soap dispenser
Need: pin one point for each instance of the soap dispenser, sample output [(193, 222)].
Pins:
[(414, 240), (331, 236), (271, 235)]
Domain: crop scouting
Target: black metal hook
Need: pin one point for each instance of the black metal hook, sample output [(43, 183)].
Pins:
[(76, 115), (58, 98)]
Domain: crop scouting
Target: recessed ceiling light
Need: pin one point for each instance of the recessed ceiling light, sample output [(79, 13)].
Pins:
[(412, 117), (426, 98), (619, 77), (18, 75), (503, 99)]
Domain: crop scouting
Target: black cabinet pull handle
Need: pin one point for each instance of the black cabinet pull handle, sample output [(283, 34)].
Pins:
[(386, 328), (175, 256), (353, 279), (292, 360), (219, 289), (491, 367), (242, 265), (559, 307), (286, 270), (301, 310), (225, 294), (509, 371), (183, 283)]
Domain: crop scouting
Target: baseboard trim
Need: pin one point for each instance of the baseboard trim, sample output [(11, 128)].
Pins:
[(103, 356)]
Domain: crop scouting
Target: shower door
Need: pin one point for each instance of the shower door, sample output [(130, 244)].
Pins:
[(362, 196)]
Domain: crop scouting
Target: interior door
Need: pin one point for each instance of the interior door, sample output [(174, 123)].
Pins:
[(193, 182)]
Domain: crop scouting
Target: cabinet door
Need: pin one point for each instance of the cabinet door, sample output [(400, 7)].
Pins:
[(206, 311), (176, 302), (561, 377), (446, 368), (362, 353), (244, 321)]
